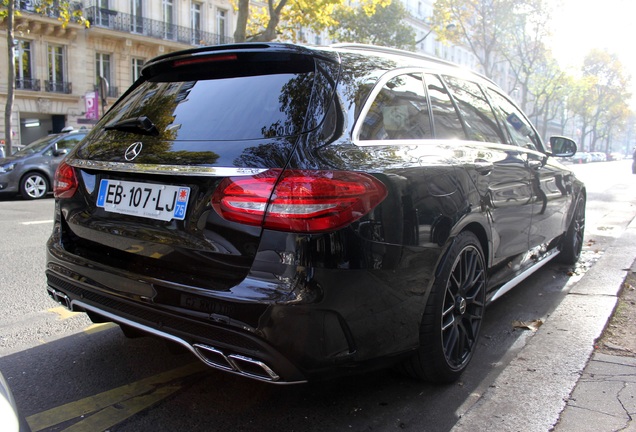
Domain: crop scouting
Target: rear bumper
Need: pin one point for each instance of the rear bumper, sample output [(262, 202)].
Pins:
[(218, 347), (331, 322)]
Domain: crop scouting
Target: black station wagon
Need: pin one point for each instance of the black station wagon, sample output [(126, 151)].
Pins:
[(293, 213)]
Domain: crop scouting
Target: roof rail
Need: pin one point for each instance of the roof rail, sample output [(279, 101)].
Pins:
[(394, 51), (404, 53)]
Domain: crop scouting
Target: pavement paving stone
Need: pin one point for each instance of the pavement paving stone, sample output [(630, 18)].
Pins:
[(583, 420), (604, 398), (598, 395)]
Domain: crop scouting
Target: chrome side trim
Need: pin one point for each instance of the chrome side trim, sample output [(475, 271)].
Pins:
[(184, 170), (516, 280), (271, 378)]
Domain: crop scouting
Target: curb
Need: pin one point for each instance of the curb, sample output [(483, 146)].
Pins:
[(532, 391)]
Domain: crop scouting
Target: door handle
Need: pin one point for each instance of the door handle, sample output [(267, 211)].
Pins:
[(535, 164)]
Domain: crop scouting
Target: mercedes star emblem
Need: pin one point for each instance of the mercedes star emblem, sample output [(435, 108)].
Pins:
[(133, 151)]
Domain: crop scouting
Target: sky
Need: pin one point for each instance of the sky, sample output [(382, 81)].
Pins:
[(581, 25)]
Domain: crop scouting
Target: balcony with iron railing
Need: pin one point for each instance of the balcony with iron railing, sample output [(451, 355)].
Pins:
[(58, 87), (27, 84), (127, 23)]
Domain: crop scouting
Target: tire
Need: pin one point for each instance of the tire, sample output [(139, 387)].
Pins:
[(452, 318), (572, 242), (34, 186)]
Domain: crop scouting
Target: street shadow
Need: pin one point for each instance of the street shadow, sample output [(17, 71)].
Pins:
[(84, 365)]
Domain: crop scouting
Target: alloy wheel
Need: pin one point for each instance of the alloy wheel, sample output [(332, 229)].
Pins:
[(463, 307), (35, 186)]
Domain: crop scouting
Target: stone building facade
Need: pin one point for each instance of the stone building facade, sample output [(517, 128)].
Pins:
[(64, 74)]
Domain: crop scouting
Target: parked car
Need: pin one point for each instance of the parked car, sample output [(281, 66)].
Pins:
[(30, 170), (291, 213), (581, 157), (598, 156)]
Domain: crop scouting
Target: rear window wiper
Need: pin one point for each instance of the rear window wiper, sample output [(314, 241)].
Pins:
[(140, 125)]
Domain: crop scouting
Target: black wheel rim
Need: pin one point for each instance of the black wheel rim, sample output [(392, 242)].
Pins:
[(463, 309), (578, 227)]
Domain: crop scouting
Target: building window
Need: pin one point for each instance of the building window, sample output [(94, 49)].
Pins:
[(136, 18), (195, 23), (103, 13), (137, 64), (57, 75), (103, 69), (168, 19), (221, 25), (23, 78)]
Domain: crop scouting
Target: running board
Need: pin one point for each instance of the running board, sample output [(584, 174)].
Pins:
[(519, 278)]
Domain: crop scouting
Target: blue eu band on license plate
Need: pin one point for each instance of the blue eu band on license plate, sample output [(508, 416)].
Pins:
[(154, 201)]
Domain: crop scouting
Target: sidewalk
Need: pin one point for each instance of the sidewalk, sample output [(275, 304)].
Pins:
[(552, 384), (604, 398)]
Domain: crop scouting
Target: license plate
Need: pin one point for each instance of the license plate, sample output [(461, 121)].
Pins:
[(154, 201)]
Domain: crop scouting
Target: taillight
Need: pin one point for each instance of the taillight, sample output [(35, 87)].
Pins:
[(298, 200), (65, 182)]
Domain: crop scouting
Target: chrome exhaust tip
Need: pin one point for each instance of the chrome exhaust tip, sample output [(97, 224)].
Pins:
[(212, 357), (240, 364), (60, 297), (253, 368)]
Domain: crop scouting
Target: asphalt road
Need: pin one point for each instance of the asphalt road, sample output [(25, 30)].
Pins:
[(68, 374)]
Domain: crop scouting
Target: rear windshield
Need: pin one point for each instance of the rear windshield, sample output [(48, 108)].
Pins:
[(241, 103)]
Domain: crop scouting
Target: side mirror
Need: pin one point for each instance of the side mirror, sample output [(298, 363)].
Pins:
[(60, 152), (562, 146)]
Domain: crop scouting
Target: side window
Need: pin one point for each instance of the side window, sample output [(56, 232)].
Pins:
[(480, 121), (519, 128), (399, 111), (69, 142), (445, 117)]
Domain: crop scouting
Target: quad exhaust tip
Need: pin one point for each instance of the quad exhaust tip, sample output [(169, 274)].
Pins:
[(60, 297), (243, 365)]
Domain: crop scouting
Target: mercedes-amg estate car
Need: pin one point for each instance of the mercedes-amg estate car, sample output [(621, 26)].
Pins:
[(294, 213)]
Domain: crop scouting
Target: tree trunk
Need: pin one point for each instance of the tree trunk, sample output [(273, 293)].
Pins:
[(241, 23), (11, 78), (274, 18)]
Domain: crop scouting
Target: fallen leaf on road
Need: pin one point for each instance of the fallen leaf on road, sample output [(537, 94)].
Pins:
[(531, 325)]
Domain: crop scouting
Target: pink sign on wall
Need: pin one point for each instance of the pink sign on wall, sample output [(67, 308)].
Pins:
[(92, 105)]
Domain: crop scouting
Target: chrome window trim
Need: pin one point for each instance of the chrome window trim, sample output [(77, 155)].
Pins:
[(355, 135), (184, 170)]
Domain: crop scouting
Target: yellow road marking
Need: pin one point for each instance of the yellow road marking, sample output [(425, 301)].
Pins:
[(95, 328), (63, 312), (110, 416), (132, 397)]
